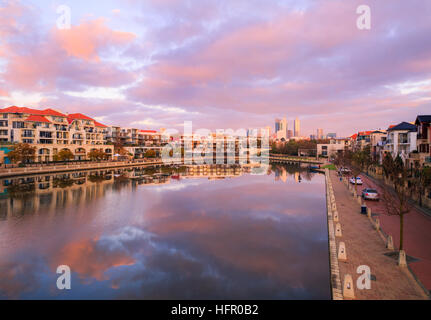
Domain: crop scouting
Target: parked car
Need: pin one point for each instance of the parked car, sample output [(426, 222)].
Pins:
[(358, 180), (370, 194), (344, 170)]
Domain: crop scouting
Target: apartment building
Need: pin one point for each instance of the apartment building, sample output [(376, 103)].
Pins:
[(423, 154), (136, 141), (134, 136), (401, 140), (334, 146), (377, 142), (51, 131)]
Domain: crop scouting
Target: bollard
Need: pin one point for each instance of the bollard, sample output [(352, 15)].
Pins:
[(359, 199), (390, 243), (348, 291), (342, 255), (377, 224), (336, 219), (402, 261), (369, 212), (338, 230)]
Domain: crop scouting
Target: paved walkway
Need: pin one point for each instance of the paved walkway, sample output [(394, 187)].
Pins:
[(364, 246), (417, 234)]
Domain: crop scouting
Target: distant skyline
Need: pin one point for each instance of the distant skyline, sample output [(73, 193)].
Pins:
[(221, 64)]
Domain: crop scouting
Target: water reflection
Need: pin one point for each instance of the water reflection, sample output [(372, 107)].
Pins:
[(155, 233)]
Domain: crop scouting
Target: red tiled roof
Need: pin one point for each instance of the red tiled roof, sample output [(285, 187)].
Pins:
[(365, 133), (98, 124), (354, 136), (148, 131), (51, 112), (78, 116), (46, 112), (37, 118)]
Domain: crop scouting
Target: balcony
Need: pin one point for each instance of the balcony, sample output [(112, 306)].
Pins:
[(45, 141)]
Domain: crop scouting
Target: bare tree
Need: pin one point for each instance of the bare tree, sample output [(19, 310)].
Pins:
[(396, 199), (421, 180)]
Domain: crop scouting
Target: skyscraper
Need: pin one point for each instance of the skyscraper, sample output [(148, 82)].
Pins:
[(296, 128), (281, 128), (319, 133), (267, 131), (277, 125), (284, 126)]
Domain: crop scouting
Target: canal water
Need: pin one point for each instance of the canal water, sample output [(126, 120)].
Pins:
[(214, 232)]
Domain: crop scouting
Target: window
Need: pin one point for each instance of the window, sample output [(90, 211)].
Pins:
[(45, 141), (3, 123), (27, 133), (45, 134), (18, 124), (3, 132), (403, 138)]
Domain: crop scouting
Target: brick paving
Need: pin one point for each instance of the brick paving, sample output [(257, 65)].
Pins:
[(364, 246), (417, 234)]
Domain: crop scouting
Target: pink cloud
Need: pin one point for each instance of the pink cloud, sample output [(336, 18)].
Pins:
[(86, 39), (56, 59), (248, 60)]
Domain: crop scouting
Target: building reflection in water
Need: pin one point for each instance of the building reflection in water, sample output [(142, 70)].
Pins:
[(166, 232)]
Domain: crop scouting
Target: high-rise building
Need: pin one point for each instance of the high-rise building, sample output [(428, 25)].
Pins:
[(281, 128), (319, 133), (331, 135), (284, 126), (277, 125), (297, 128), (267, 131)]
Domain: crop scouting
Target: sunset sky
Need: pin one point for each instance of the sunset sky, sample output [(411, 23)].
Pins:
[(221, 64)]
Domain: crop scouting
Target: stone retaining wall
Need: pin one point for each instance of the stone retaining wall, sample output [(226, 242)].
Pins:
[(332, 213)]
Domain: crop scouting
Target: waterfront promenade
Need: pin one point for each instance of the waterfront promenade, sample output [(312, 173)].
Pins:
[(365, 246), (67, 167), (417, 233)]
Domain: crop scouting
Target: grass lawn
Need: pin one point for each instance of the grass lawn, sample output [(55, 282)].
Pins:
[(330, 167)]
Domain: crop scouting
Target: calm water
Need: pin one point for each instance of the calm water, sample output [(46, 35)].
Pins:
[(180, 235)]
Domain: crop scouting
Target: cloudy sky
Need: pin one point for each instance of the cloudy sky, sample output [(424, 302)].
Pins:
[(221, 64)]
